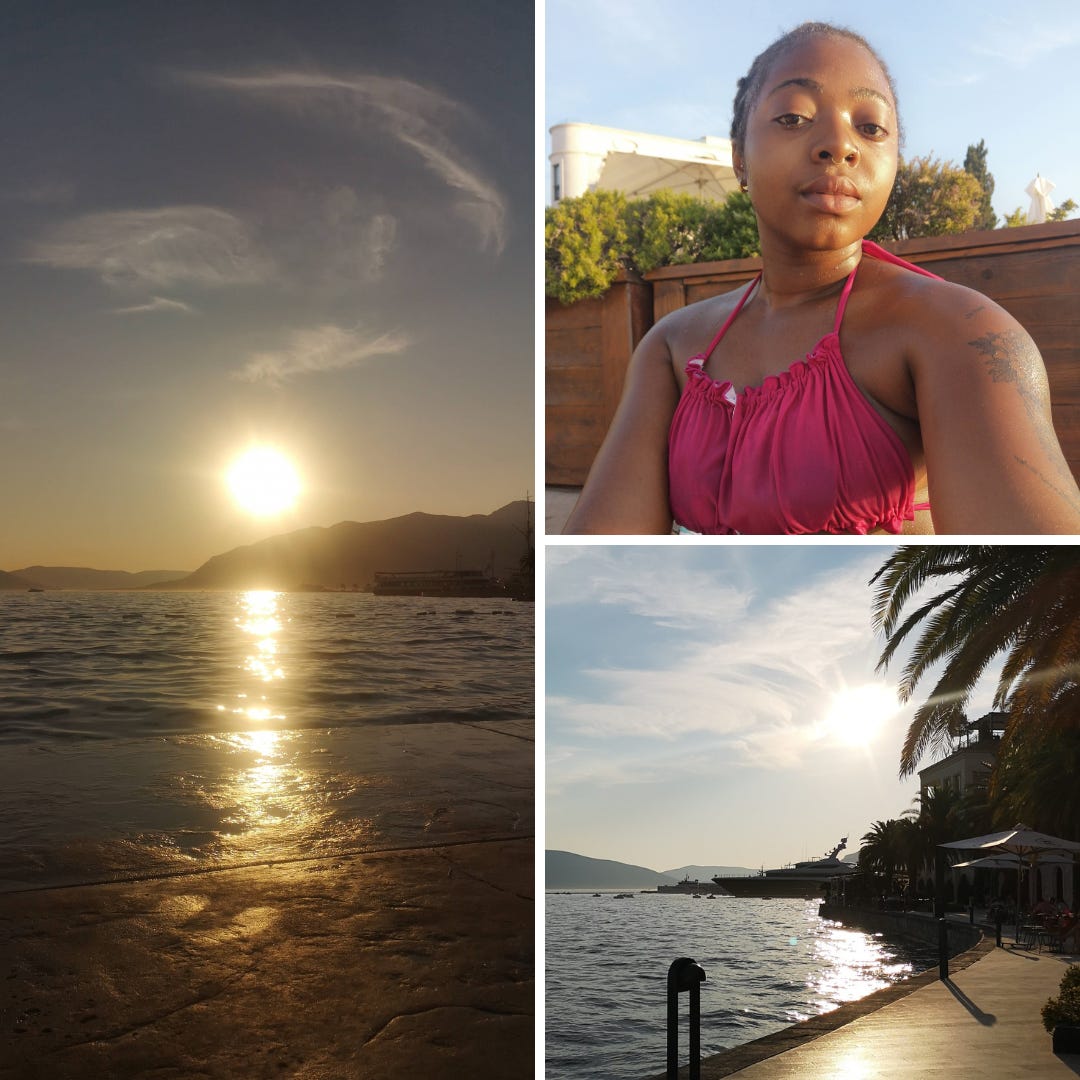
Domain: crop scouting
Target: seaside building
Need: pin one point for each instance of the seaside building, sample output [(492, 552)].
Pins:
[(968, 766), (588, 157), (972, 757)]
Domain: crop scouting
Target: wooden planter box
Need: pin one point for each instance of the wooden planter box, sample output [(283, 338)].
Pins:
[(587, 347)]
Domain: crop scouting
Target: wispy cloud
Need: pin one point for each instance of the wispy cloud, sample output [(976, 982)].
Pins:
[(416, 116), (1021, 42), (157, 303), (671, 595), (321, 349), (170, 245), (755, 678)]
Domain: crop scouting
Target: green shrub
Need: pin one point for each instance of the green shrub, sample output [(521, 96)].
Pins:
[(588, 239), (1065, 1008)]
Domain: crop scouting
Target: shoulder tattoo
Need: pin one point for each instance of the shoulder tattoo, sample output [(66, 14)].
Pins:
[(1009, 354)]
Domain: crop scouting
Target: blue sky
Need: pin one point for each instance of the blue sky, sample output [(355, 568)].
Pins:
[(999, 71), (304, 225), (690, 703)]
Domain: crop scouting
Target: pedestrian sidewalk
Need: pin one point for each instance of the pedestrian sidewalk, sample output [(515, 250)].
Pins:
[(983, 1022)]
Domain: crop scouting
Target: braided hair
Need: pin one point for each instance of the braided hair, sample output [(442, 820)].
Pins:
[(749, 86)]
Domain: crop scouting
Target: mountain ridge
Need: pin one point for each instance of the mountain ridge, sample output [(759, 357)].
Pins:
[(349, 553)]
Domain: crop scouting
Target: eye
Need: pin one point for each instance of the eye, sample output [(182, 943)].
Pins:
[(873, 131), (792, 120)]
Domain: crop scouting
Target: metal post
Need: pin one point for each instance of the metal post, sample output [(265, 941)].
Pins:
[(684, 974), (943, 949)]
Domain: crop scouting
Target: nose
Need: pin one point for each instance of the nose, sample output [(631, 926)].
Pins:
[(835, 142)]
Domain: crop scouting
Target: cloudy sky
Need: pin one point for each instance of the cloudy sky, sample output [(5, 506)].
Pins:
[(997, 70), (718, 705), (307, 226)]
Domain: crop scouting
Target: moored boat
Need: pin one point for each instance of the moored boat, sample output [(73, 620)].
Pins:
[(805, 879)]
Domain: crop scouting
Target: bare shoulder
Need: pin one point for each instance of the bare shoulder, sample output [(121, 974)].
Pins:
[(949, 330), (688, 330), (993, 460)]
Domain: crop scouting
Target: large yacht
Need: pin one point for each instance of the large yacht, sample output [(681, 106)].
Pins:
[(803, 879)]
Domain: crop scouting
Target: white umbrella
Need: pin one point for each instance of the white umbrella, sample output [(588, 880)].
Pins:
[(1024, 843), (1039, 189), (1020, 840)]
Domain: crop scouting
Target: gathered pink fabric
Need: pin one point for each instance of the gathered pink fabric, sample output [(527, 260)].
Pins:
[(804, 452)]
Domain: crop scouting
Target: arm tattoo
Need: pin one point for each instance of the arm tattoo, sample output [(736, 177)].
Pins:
[(1011, 357), (974, 311)]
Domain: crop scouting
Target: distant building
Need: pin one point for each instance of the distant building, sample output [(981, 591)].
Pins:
[(972, 758), (587, 157)]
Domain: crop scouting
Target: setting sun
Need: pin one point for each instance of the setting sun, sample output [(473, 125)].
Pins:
[(856, 714), (263, 481)]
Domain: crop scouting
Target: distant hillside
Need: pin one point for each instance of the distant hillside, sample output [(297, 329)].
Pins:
[(565, 870), (350, 553), (82, 577), (14, 582), (707, 873)]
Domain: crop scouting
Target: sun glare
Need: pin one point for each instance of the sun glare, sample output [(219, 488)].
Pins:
[(856, 714), (263, 481)]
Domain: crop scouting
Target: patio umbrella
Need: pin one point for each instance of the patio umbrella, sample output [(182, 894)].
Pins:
[(1020, 841), (1039, 189)]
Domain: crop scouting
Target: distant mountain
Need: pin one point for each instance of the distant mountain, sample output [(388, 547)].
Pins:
[(707, 873), (82, 577), (350, 552), (13, 582), (565, 870)]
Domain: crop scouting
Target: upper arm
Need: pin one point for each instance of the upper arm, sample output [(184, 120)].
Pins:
[(994, 464), (627, 487)]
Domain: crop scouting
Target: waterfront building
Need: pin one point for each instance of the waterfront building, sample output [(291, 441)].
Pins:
[(588, 157)]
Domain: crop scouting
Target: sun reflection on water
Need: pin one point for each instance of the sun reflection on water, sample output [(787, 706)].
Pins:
[(850, 965), (260, 620)]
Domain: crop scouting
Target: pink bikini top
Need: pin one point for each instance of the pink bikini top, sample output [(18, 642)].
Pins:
[(805, 452)]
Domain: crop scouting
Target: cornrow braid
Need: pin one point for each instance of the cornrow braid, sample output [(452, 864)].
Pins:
[(749, 86)]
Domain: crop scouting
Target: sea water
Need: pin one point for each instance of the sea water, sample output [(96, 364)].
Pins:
[(145, 732), (768, 964)]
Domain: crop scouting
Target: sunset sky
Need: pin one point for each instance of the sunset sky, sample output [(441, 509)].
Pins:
[(306, 226), (718, 705)]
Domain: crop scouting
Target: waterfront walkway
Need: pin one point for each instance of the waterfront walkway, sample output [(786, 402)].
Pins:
[(984, 1022)]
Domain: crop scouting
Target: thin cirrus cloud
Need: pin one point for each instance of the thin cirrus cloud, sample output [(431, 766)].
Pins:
[(320, 349), (156, 303), (156, 248), (415, 115), (754, 676)]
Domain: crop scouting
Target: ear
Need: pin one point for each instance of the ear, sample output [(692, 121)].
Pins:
[(739, 165)]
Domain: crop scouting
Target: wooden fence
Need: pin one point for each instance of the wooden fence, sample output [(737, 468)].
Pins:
[(1033, 272)]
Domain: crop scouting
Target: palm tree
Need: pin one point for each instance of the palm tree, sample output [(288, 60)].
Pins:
[(882, 850), (1020, 604), (1034, 782)]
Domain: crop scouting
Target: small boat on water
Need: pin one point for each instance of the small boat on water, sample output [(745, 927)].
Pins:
[(803, 879)]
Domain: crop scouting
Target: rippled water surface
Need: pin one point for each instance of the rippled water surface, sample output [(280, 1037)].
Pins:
[(145, 731), (768, 964)]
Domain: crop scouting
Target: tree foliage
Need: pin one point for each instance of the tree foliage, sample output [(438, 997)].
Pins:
[(1016, 605), (929, 198), (975, 165), (1059, 213), (589, 239)]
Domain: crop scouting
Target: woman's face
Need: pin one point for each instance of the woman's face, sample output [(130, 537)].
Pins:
[(821, 146)]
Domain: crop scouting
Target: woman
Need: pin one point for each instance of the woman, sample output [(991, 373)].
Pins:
[(923, 406)]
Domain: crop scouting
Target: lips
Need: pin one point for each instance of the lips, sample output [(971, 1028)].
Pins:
[(832, 194)]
